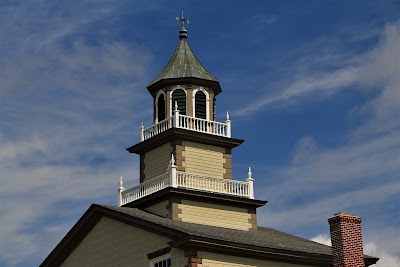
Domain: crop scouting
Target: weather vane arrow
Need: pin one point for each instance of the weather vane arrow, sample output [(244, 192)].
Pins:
[(182, 19)]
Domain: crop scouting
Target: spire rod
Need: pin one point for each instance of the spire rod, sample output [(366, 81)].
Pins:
[(182, 20)]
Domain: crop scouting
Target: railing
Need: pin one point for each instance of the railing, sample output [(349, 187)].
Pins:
[(144, 189), (203, 126), (158, 128), (173, 178), (210, 184), (189, 123)]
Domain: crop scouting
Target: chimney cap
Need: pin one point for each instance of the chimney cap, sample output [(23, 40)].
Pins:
[(345, 214)]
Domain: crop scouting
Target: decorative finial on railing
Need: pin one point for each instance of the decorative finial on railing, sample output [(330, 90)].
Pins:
[(250, 181), (176, 106), (172, 174), (121, 183), (142, 132), (120, 190), (228, 126), (172, 160)]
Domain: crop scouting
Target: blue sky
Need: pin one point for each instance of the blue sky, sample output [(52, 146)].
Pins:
[(312, 86)]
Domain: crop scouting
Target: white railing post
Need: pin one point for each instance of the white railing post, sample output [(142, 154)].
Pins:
[(175, 115), (172, 174), (142, 132), (250, 182), (228, 125), (120, 190)]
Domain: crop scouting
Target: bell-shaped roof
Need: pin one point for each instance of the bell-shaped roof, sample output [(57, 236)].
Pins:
[(184, 66)]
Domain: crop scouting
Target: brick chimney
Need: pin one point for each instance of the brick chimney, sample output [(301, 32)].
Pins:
[(347, 247)]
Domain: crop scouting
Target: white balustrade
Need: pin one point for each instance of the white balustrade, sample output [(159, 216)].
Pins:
[(203, 126), (179, 179), (158, 128), (146, 188), (215, 185), (189, 123)]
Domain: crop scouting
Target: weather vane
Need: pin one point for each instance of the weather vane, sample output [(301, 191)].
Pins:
[(182, 20)]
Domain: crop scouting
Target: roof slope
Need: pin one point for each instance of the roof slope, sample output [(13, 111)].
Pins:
[(267, 243), (183, 64), (265, 237)]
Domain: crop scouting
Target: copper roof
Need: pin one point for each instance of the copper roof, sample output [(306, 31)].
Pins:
[(183, 64)]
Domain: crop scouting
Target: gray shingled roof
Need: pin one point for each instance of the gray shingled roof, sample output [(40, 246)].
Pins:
[(265, 237), (182, 64)]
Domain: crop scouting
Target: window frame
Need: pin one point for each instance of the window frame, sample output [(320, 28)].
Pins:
[(172, 105), (207, 102), (167, 256), (161, 92)]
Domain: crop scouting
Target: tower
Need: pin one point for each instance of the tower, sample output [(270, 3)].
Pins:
[(186, 155)]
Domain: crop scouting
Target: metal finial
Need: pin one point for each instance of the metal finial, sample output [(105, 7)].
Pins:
[(182, 20)]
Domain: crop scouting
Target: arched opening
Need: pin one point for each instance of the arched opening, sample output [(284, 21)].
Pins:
[(160, 108), (179, 96), (200, 104)]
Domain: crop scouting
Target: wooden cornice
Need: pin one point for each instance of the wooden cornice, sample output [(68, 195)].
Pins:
[(186, 135)]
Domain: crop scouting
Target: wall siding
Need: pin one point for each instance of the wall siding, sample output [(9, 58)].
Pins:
[(160, 209), (218, 260), (112, 243), (204, 160), (156, 161), (214, 215)]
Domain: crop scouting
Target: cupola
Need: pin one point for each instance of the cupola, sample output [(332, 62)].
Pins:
[(186, 155)]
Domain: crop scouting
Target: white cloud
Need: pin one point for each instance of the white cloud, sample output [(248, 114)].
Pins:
[(323, 239), (319, 84), (370, 248), (360, 175), (385, 259), (381, 71), (66, 115)]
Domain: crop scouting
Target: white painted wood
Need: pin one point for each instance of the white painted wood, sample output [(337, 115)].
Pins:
[(174, 178), (228, 125), (172, 174), (146, 188), (120, 190), (142, 132), (189, 123), (250, 182), (157, 128)]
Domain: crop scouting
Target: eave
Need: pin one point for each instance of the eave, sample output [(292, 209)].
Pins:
[(186, 135)]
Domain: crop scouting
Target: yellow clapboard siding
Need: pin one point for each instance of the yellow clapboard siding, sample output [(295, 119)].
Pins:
[(215, 215), (156, 161), (204, 147), (160, 209), (213, 206), (111, 243), (232, 215), (204, 160)]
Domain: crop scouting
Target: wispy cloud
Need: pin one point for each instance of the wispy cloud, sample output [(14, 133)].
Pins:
[(320, 84), (63, 123), (361, 174)]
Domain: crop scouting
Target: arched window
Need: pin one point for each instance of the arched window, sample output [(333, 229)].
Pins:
[(179, 96), (200, 104), (160, 108)]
